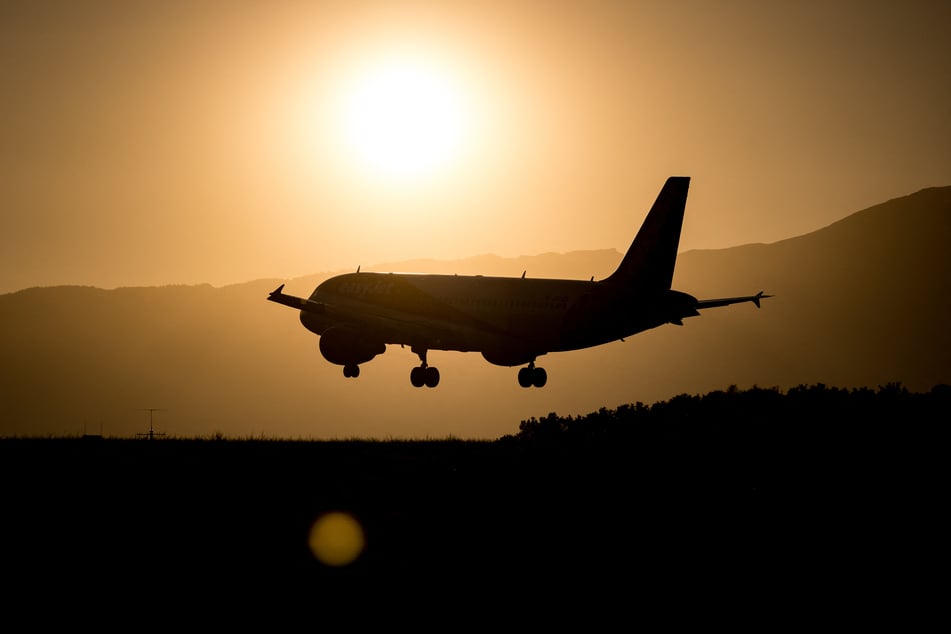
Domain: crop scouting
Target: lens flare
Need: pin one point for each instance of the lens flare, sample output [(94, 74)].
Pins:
[(337, 539)]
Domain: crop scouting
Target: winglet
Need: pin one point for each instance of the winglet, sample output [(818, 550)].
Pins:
[(758, 297)]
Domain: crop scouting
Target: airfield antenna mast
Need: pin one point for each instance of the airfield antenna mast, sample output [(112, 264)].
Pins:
[(151, 433)]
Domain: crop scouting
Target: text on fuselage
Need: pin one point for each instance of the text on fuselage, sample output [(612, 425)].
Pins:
[(363, 288)]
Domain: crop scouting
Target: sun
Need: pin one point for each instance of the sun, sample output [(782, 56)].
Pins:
[(404, 120)]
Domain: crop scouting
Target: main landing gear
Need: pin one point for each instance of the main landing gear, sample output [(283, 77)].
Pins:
[(423, 374), (351, 370), (532, 376)]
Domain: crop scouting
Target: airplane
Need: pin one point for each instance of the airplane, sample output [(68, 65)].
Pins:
[(510, 320)]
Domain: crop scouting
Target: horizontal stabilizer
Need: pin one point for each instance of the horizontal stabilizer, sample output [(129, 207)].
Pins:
[(726, 301)]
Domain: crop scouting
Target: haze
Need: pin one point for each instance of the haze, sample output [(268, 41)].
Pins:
[(181, 142)]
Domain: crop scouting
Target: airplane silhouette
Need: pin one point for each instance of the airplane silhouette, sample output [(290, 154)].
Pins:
[(511, 320)]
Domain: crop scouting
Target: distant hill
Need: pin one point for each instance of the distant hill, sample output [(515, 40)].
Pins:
[(860, 303)]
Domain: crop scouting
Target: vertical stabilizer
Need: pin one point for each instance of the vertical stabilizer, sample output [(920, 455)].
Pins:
[(648, 264)]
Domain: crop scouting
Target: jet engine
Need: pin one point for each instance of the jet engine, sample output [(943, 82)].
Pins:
[(344, 346), (501, 356)]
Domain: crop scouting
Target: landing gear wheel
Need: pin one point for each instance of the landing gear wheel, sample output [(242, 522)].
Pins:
[(351, 371), (539, 377), (424, 375), (532, 376), (417, 376), (525, 377)]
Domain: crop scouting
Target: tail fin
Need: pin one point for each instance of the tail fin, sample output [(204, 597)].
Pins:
[(648, 264)]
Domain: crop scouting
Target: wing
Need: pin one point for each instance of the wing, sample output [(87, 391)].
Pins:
[(299, 303)]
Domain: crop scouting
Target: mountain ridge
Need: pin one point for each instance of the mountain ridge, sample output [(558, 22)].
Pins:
[(516, 264), (862, 302)]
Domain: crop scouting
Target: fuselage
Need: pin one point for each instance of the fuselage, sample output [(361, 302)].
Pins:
[(509, 320)]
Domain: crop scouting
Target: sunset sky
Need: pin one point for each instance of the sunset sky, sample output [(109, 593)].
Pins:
[(147, 143)]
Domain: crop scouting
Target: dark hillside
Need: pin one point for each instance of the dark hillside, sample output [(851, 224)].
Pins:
[(862, 302)]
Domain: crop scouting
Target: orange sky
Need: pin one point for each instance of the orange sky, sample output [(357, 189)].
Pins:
[(148, 143)]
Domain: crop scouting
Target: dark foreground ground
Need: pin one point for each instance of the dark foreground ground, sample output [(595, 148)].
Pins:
[(733, 499), (166, 517)]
